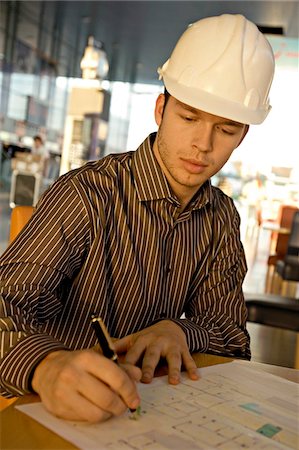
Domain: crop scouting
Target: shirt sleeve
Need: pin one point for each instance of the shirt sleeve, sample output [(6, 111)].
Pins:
[(215, 316), (32, 272)]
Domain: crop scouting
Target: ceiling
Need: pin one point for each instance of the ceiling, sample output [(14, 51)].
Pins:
[(139, 35)]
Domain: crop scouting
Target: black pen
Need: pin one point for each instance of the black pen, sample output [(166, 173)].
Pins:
[(104, 338), (105, 341)]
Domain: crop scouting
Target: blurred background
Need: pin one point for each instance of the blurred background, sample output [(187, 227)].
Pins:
[(78, 80)]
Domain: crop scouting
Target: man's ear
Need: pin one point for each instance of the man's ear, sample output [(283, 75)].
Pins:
[(244, 134), (159, 108)]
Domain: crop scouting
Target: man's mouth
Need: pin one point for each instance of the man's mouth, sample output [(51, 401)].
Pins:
[(194, 166)]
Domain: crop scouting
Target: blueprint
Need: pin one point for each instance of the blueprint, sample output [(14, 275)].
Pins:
[(230, 407)]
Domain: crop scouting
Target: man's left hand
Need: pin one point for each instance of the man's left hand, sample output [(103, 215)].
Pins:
[(166, 340)]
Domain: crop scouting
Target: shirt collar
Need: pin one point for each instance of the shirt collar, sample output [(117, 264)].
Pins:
[(203, 196), (151, 183)]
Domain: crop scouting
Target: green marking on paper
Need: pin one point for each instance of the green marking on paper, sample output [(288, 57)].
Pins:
[(136, 414), (269, 430)]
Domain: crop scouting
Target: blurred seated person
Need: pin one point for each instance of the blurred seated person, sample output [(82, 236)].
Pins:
[(38, 148)]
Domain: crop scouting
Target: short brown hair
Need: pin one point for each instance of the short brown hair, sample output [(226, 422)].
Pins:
[(167, 96), (38, 138)]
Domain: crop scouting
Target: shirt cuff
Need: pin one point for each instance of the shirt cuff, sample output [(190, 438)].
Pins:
[(197, 338), (18, 365)]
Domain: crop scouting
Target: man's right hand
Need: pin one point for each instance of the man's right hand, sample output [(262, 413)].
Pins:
[(84, 385)]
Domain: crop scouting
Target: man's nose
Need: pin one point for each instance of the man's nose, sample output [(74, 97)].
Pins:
[(203, 138)]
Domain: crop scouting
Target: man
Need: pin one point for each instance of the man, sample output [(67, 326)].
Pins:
[(39, 149), (141, 239)]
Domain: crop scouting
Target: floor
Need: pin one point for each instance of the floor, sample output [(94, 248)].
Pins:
[(268, 344)]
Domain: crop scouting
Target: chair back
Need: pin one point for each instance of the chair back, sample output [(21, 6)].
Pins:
[(293, 242), (286, 215), (19, 217)]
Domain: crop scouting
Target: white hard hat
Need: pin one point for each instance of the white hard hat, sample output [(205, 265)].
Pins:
[(222, 65)]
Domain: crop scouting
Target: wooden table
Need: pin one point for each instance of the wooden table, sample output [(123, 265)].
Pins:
[(20, 432), (276, 230), (273, 226)]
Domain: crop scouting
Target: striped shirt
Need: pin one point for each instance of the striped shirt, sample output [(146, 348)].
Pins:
[(107, 239)]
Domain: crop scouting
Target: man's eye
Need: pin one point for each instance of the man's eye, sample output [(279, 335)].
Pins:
[(229, 132), (224, 130), (189, 119)]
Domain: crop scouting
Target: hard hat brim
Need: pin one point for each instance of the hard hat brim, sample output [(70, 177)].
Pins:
[(213, 104)]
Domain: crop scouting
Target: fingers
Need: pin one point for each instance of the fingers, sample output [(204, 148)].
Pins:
[(112, 401), (162, 340), (123, 345), (74, 406), (84, 385), (118, 390), (133, 371), (137, 348), (190, 366), (90, 400), (174, 361), (151, 347), (150, 361)]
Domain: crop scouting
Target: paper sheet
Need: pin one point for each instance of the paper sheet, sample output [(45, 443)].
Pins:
[(231, 407)]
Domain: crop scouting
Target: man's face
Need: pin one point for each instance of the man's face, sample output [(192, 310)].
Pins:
[(192, 145)]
